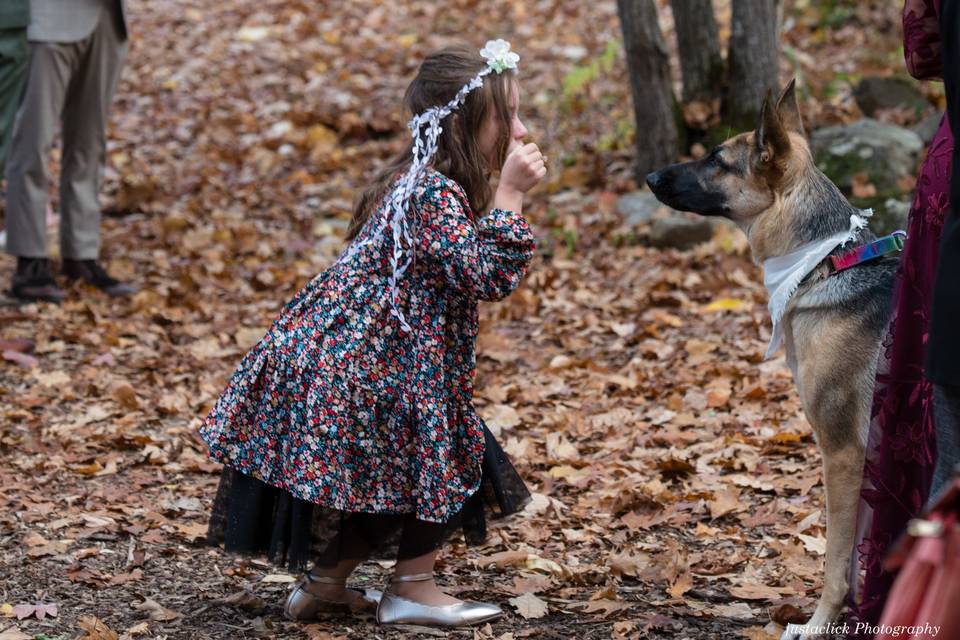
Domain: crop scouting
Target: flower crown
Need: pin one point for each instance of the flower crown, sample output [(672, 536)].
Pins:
[(426, 131), (498, 55)]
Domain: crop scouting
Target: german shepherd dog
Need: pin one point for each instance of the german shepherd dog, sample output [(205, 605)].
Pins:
[(766, 182)]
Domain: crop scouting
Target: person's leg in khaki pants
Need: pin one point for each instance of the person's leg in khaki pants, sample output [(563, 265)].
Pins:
[(27, 175), (88, 101), (75, 81)]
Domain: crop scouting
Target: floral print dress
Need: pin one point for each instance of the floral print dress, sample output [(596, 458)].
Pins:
[(339, 406)]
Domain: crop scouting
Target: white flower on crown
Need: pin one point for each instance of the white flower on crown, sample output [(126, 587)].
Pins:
[(498, 55)]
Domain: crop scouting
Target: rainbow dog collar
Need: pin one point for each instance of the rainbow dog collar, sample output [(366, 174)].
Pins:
[(858, 255)]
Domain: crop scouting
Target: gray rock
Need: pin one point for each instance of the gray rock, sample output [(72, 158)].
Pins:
[(680, 233), (927, 128), (884, 152), (873, 94), (637, 207)]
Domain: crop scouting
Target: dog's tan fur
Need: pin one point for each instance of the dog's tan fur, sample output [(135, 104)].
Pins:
[(764, 182)]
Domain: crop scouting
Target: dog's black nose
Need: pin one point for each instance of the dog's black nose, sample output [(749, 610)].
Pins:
[(653, 178)]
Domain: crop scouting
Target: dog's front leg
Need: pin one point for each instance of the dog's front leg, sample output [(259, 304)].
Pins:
[(842, 474)]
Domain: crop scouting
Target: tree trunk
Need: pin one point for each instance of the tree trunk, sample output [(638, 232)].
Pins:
[(753, 61), (699, 48), (654, 107)]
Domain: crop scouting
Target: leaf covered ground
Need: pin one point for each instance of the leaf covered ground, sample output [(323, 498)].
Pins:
[(677, 486)]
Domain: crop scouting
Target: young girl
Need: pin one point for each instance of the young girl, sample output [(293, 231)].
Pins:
[(351, 424)]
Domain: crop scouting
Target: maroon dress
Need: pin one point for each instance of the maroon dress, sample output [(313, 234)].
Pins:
[(901, 448)]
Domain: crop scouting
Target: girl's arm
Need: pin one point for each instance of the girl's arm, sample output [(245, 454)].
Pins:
[(486, 259)]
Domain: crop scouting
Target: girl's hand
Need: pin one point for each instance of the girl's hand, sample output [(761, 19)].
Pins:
[(523, 169)]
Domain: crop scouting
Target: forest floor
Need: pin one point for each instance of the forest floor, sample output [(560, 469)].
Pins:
[(676, 484)]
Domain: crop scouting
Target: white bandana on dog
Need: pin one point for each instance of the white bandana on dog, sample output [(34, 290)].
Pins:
[(783, 274)]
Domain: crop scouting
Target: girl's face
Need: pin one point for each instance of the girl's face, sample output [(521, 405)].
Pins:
[(490, 133)]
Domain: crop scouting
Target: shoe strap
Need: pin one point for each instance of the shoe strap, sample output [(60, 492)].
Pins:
[(342, 582), (412, 577)]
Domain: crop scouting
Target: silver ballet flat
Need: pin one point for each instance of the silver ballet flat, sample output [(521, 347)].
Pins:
[(303, 605), (393, 609)]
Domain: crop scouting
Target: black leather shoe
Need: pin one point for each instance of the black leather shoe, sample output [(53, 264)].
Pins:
[(90, 272), (32, 281)]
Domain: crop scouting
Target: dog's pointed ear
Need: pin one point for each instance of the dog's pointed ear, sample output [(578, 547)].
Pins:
[(789, 108), (771, 137)]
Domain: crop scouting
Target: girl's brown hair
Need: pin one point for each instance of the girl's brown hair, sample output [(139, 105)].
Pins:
[(458, 156)]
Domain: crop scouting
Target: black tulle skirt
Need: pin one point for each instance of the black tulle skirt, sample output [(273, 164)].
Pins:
[(252, 517)]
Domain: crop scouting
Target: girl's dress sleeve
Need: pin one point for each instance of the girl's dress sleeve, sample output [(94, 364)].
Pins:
[(485, 259), (921, 38)]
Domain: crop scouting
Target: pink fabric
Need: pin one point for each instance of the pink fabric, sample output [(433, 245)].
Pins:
[(926, 591), (912, 585), (901, 447)]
